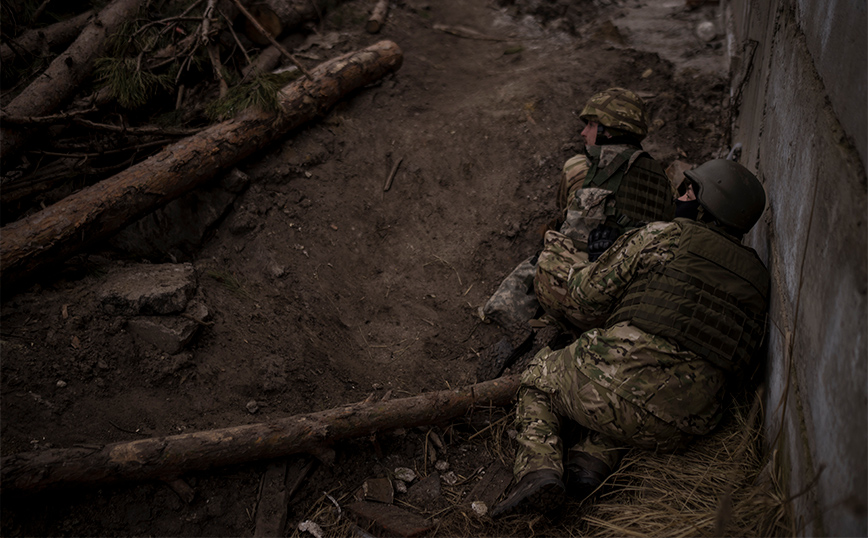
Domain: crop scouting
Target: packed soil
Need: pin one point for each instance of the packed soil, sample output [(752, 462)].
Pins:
[(325, 289)]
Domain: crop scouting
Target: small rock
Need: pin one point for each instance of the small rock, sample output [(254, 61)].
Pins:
[(147, 289), (170, 334), (276, 270), (405, 474), (706, 31), (61, 383), (235, 181), (400, 486), (252, 407), (425, 491), (378, 489), (450, 478), (310, 527), (479, 507), (441, 465)]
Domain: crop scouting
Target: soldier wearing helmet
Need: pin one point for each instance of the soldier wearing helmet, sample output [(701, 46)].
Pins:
[(675, 313), (611, 187)]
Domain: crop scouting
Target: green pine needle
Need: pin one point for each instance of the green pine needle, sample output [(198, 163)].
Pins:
[(261, 92), (130, 85)]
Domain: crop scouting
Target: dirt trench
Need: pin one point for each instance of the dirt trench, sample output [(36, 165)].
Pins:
[(324, 288)]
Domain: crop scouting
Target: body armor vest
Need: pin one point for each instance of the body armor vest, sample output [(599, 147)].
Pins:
[(711, 299), (642, 190)]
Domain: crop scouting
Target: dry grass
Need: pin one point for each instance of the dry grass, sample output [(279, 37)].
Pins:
[(723, 485)]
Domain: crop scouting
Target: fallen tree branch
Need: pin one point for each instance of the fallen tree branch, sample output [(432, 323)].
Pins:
[(213, 53), (75, 117), (64, 75), (388, 184), (98, 211), (168, 457), (292, 14), (145, 130), (39, 10), (53, 118), (272, 39), (378, 17), (32, 41), (58, 172), (267, 60)]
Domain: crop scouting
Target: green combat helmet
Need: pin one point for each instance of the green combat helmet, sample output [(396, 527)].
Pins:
[(618, 110), (730, 192)]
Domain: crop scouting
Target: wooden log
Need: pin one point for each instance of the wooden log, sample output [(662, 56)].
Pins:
[(64, 75), (291, 16), (96, 212), (168, 457), (378, 17), (271, 510), (268, 59), (33, 42), (279, 483)]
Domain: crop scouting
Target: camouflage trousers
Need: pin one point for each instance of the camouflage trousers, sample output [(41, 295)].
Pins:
[(553, 391)]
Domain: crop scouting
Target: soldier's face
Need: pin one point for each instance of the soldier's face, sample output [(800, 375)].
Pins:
[(589, 133), (688, 194)]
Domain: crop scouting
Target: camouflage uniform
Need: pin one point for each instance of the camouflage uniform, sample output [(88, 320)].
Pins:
[(588, 207), (618, 185), (630, 387)]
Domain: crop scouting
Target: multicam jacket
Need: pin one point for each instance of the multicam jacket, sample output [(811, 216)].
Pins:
[(642, 191), (651, 371)]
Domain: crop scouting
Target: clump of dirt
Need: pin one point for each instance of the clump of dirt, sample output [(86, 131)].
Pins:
[(323, 287)]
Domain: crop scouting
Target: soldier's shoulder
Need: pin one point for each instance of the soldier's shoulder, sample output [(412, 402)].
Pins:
[(656, 232), (648, 161), (661, 227), (576, 160)]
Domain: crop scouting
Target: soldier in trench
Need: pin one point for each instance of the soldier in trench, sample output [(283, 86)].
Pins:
[(675, 311), (611, 187)]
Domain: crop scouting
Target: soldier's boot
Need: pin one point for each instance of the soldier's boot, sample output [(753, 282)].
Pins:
[(537, 491), (584, 474)]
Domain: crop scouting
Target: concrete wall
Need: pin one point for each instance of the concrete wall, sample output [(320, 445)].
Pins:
[(799, 105)]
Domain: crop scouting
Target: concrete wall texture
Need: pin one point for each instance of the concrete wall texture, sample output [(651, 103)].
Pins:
[(799, 76)]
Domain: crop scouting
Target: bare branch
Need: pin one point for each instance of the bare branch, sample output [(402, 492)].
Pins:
[(213, 53), (54, 118), (273, 41)]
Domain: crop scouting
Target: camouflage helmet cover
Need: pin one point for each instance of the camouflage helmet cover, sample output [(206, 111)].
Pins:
[(618, 108), (730, 192)]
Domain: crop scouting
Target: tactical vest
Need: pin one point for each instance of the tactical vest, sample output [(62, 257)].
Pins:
[(711, 299), (642, 190)]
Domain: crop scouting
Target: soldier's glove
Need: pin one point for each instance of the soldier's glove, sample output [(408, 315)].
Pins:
[(599, 240)]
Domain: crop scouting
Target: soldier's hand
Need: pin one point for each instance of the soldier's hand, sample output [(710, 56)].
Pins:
[(599, 240)]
